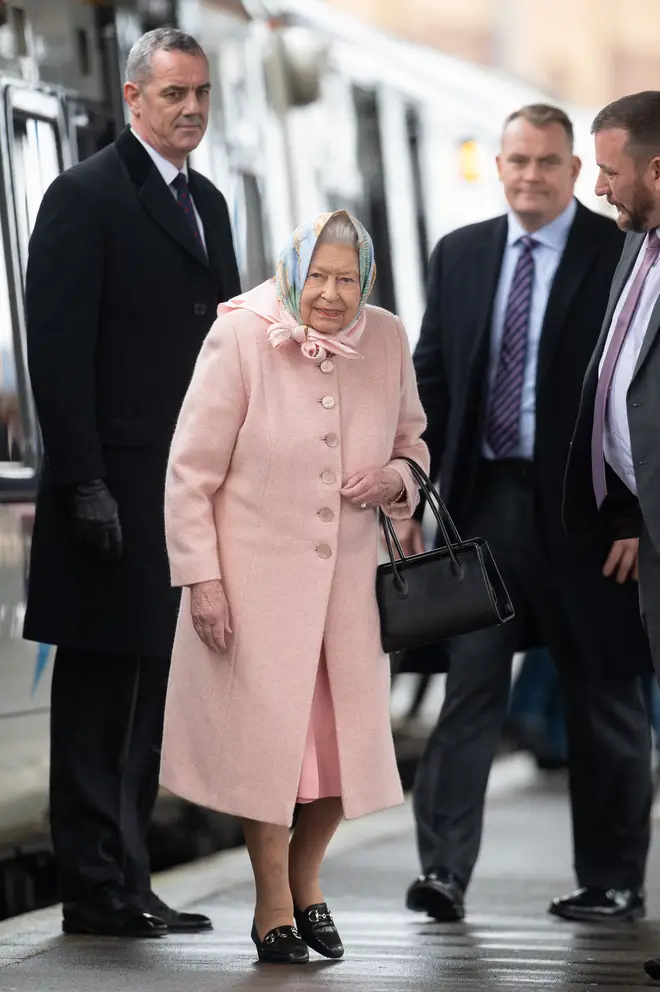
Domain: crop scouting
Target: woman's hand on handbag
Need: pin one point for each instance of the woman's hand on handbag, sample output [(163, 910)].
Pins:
[(210, 614), (373, 487)]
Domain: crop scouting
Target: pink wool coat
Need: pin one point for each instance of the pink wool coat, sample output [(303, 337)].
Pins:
[(263, 443)]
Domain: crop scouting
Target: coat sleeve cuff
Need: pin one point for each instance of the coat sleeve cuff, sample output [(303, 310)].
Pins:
[(406, 506), (189, 573)]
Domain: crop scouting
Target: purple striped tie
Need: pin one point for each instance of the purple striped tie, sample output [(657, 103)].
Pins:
[(180, 184), (606, 377), (503, 428)]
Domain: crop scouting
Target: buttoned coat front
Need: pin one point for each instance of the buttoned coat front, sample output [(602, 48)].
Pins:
[(264, 442)]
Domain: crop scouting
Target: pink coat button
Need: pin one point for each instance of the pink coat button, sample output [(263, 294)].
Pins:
[(328, 402), (331, 440), (326, 515), (324, 551), (328, 477), (327, 366)]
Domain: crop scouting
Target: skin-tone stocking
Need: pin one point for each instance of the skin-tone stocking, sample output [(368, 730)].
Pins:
[(268, 847), (316, 826), (287, 872)]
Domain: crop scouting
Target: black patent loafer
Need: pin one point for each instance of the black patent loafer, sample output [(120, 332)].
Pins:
[(318, 930), (592, 905), (439, 894), (283, 945), (175, 921), (652, 968), (127, 922)]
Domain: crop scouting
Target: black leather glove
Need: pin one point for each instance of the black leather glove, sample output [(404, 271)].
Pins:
[(95, 520)]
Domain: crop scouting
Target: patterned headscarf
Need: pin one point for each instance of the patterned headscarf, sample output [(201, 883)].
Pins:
[(292, 271)]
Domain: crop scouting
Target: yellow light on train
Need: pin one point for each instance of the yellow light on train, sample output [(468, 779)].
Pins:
[(470, 161)]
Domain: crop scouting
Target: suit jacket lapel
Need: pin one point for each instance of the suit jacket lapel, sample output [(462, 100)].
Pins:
[(154, 195), (486, 271), (628, 258), (573, 266), (619, 280), (215, 232)]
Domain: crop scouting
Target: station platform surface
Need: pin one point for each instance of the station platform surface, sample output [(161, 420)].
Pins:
[(507, 942)]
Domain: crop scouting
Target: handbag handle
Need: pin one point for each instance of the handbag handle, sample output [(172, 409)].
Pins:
[(447, 527), (434, 499)]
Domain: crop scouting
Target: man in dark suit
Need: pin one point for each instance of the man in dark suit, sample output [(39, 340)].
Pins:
[(131, 253), (514, 309), (612, 487)]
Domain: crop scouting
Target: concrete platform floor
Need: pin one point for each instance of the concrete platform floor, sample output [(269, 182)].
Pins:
[(507, 943)]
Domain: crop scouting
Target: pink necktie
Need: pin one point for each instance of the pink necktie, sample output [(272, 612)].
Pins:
[(623, 325)]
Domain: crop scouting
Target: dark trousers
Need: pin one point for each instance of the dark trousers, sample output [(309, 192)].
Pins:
[(106, 732), (649, 594), (607, 722)]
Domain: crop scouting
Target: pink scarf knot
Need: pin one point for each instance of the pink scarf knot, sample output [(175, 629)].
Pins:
[(313, 344), (279, 334)]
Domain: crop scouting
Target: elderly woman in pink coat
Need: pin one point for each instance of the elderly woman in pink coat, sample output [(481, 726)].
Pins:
[(302, 402)]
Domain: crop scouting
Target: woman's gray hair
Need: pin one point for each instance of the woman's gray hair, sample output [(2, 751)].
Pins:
[(340, 230), (138, 65)]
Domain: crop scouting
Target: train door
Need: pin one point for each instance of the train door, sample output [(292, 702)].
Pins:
[(33, 151)]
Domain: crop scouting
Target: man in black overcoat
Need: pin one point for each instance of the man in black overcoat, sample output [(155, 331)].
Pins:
[(514, 309), (131, 253)]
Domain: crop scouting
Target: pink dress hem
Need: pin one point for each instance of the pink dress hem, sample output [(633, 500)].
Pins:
[(320, 775)]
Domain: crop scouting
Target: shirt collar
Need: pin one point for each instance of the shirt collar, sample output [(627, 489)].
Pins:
[(168, 171), (553, 235)]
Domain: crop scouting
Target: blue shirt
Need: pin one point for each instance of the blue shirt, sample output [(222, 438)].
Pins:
[(547, 255)]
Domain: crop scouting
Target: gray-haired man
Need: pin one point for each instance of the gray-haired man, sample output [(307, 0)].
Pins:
[(131, 254)]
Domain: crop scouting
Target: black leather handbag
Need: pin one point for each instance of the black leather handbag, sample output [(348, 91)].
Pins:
[(454, 589)]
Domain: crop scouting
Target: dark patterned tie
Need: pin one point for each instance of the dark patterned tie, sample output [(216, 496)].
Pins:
[(180, 184), (503, 427)]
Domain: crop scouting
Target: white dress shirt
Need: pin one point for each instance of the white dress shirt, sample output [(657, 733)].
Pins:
[(547, 255), (169, 173), (616, 433)]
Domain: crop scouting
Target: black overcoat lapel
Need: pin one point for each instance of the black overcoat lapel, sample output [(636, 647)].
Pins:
[(486, 273), (155, 196), (217, 234), (576, 260)]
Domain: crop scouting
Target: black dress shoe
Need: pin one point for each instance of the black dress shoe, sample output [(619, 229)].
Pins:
[(175, 921), (318, 930), (594, 905), (652, 968), (110, 914), (283, 945), (439, 894)]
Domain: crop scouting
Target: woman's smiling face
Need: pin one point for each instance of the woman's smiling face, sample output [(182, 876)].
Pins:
[(331, 296)]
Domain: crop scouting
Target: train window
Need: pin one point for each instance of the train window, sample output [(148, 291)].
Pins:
[(36, 163), (414, 129), (374, 212), (11, 433), (258, 267), (471, 161), (19, 30), (35, 159), (84, 54)]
